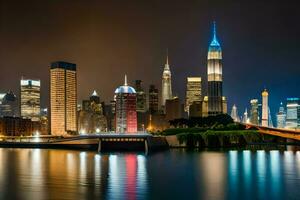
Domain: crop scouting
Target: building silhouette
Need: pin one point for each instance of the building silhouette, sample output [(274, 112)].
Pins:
[(126, 116), (141, 104), (153, 99), (63, 98), (173, 109), (30, 99), (193, 92)]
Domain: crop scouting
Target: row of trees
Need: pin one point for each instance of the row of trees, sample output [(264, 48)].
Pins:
[(221, 120)]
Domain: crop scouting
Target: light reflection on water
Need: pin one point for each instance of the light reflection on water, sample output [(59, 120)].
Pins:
[(175, 174)]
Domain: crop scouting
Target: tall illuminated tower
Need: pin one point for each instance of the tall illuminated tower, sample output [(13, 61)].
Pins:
[(30, 99), (166, 89), (265, 108), (214, 76), (63, 98), (126, 116)]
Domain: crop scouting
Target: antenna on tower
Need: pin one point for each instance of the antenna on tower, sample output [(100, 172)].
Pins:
[(125, 80), (167, 63)]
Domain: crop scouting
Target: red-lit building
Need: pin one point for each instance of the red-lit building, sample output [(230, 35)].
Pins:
[(126, 117)]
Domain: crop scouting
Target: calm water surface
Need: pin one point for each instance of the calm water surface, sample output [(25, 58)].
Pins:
[(175, 174)]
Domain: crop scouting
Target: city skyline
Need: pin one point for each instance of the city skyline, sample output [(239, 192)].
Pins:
[(187, 47)]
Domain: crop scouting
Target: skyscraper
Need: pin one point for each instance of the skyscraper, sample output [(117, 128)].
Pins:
[(214, 76), (234, 114), (153, 99), (30, 99), (126, 117), (254, 112), (63, 98), (141, 104), (292, 113), (281, 117), (166, 89), (193, 91), (265, 108)]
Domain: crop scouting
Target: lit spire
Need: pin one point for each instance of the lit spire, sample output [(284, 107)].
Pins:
[(125, 80), (94, 93), (215, 30), (167, 63), (214, 41)]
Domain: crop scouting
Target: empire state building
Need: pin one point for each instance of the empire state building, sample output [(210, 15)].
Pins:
[(214, 77), (166, 88)]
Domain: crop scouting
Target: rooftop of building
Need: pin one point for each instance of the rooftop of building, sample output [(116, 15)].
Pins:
[(63, 65), (125, 88)]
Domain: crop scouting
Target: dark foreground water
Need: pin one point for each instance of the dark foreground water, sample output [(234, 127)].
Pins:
[(177, 174)]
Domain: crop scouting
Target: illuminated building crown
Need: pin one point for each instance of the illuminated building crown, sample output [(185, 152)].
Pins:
[(214, 44)]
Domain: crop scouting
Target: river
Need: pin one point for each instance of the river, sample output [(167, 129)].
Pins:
[(176, 174)]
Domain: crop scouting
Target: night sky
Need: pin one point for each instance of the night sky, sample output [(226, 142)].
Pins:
[(106, 39)]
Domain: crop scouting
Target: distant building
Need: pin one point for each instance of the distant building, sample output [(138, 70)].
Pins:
[(91, 119), (214, 76), (245, 119), (281, 117), (30, 98), (195, 109), (254, 116), (126, 116), (157, 122), (141, 104), (110, 114), (8, 105), (234, 114), (166, 89), (173, 109), (193, 92), (16, 126), (265, 109), (292, 113), (205, 107), (153, 99), (63, 98)]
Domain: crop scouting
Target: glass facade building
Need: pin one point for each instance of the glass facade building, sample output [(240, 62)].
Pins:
[(292, 113), (30, 99)]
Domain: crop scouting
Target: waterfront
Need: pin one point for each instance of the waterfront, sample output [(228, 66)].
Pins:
[(174, 174)]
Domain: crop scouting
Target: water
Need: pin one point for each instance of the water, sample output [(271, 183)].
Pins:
[(175, 174)]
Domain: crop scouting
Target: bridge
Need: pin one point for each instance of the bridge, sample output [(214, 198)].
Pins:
[(284, 133), (102, 142)]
